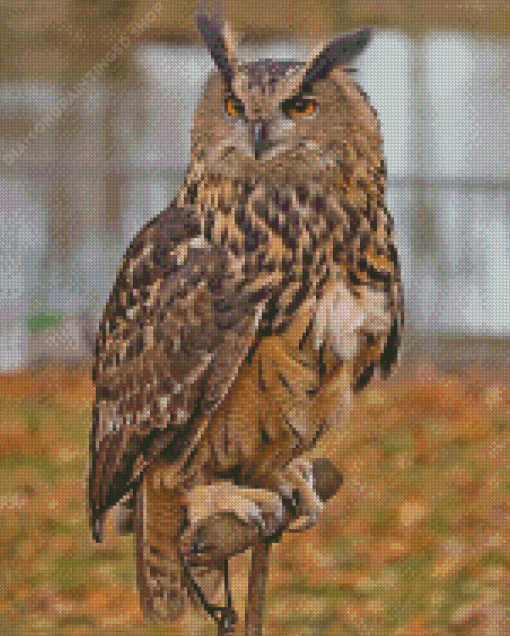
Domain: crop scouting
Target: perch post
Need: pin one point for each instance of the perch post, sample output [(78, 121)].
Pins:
[(223, 536)]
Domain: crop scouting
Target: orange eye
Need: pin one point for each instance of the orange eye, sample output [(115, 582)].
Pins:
[(234, 107), (299, 107)]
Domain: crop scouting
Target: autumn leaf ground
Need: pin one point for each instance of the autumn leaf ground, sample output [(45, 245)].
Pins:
[(416, 542)]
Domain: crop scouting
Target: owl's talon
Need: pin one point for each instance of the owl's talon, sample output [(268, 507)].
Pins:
[(256, 515), (304, 522), (290, 497), (296, 486), (276, 521), (308, 473), (285, 492)]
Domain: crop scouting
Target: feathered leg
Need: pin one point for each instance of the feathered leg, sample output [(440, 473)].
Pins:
[(165, 590)]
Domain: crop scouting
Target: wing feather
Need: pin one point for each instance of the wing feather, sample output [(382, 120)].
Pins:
[(173, 336)]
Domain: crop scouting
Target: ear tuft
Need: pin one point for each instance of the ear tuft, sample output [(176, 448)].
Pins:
[(340, 51), (219, 39)]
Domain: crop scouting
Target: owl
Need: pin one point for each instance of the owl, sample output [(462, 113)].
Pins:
[(247, 314)]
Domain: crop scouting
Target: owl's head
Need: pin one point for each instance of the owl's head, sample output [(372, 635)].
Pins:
[(266, 116)]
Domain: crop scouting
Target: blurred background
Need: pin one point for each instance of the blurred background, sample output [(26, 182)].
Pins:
[(78, 178), (96, 106)]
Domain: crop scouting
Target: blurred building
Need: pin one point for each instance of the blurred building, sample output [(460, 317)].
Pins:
[(96, 105)]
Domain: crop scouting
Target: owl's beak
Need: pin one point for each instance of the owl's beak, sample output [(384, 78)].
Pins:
[(258, 137)]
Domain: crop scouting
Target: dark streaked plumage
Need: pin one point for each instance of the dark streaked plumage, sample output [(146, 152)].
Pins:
[(246, 314)]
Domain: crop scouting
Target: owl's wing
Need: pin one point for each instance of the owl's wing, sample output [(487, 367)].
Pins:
[(380, 267), (173, 336)]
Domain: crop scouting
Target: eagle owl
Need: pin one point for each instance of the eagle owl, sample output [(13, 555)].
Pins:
[(246, 314)]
